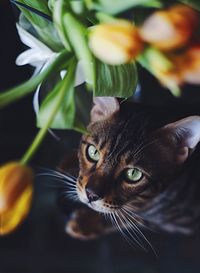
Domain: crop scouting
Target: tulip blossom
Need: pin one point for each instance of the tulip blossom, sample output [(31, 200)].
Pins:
[(191, 65), (115, 43), (16, 189), (170, 29)]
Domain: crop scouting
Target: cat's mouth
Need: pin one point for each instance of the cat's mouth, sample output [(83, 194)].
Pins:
[(99, 205), (102, 207)]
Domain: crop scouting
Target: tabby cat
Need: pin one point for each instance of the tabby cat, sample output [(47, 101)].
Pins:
[(138, 166)]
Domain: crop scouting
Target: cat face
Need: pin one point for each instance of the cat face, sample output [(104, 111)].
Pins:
[(127, 158)]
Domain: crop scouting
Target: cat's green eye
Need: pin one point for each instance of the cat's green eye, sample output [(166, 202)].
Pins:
[(92, 153), (133, 175)]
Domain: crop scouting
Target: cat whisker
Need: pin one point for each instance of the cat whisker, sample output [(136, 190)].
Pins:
[(131, 233), (130, 220), (116, 224), (129, 209), (69, 177), (142, 146), (56, 175), (131, 224), (70, 191), (132, 241), (71, 195), (58, 178)]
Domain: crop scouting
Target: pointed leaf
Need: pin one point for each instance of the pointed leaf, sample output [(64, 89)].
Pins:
[(116, 81), (65, 116), (76, 32)]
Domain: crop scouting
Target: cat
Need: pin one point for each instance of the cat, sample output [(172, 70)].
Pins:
[(138, 166)]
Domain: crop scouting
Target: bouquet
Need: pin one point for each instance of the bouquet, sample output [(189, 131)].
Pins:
[(99, 44)]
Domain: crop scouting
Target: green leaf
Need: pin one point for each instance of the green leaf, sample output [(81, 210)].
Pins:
[(192, 3), (153, 60), (62, 95), (35, 19), (76, 32), (115, 81), (29, 86), (45, 29), (37, 4), (117, 6), (60, 8)]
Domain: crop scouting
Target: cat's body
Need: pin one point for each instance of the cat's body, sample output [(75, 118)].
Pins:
[(139, 165)]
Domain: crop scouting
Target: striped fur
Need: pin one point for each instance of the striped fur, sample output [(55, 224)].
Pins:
[(168, 194)]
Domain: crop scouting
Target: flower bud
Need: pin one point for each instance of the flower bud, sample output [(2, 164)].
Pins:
[(115, 43), (16, 190), (170, 29), (191, 65)]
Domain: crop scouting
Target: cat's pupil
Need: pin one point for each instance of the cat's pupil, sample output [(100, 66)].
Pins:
[(133, 175), (92, 153)]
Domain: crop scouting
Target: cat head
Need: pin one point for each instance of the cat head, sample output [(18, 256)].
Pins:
[(130, 156)]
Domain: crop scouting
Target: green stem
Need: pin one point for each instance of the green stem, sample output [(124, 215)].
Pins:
[(64, 85), (88, 4), (29, 86)]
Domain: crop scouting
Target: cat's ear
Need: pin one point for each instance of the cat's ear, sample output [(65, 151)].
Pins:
[(103, 108), (185, 135)]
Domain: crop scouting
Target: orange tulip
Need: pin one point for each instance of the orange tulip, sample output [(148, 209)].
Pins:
[(170, 29), (16, 189), (115, 43), (191, 65)]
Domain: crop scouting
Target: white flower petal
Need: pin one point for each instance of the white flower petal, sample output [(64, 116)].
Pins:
[(63, 73), (36, 105), (28, 57), (80, 77), (31, 41)]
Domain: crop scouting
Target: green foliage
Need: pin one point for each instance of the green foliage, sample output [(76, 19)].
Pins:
[(115, 81), (45, 29), (77, 36), (29, 86), (117, 6), (63, 96), (68, 30)]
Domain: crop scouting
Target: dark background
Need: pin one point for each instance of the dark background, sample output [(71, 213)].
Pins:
[(40, 245)]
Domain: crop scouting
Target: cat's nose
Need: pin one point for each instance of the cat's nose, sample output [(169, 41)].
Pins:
[(91, 195)]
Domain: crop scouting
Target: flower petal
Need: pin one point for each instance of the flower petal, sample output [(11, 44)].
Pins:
[(31, 41), (29, 57), (80, 77)]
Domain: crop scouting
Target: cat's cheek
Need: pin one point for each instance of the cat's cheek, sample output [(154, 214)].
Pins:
[(81, 195)]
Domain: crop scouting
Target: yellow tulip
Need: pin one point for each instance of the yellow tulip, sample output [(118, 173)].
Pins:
[(115, 43), (191, 65), (170, 29), (16, 190)]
